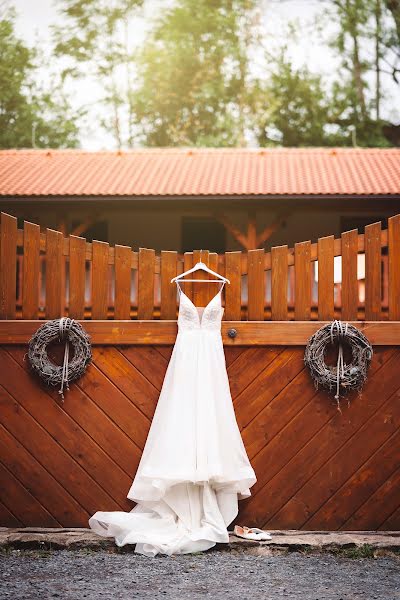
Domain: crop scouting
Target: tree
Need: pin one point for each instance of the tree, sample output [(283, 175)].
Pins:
[(195, 86), (392, 41), (97, 43), (192, 81), (29, 115), (361, 23), (294, 109)]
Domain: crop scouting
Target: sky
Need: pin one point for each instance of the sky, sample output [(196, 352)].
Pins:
[(36, 16)]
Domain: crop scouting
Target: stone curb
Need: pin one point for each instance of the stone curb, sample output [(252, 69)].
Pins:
[(76, 538)]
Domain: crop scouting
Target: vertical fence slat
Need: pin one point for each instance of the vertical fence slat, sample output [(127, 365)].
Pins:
[(394, 267), (372, 241), (188, 263), (30, 280), (349, 275), (200, 291), (8, 266), (279, 283), (123, 277), (77, 276), (302, 281), (100, 278), (168, 289), (146, 283), (213, 287), (255, 285), (54, 267), (233, 291), (325, 278), (385, 280), (230, 263)]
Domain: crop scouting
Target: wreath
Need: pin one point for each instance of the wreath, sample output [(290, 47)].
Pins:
[(342, 377), (60, 330)]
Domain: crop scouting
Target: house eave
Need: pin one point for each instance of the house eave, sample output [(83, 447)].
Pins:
[(199, 198)]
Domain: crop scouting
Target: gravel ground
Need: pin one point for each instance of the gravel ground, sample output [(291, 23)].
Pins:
[(72, 575)]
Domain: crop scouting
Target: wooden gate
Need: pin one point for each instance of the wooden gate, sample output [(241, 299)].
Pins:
[(316, 467)]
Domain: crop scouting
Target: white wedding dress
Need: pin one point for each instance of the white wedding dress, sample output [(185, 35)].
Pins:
[(194, 467)]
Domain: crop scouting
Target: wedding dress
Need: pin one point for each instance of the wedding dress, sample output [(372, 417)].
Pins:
[(194, 467)]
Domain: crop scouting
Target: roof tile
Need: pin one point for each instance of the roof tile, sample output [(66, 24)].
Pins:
[(201, 172)]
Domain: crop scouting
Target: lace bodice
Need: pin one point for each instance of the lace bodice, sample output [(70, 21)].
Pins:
[(200, 318)]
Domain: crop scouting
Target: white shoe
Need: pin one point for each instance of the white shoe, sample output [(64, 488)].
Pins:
[(251, 533)]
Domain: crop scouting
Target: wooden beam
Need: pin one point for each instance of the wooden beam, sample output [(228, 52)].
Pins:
[(233, 230), (270, 229), (249, 333), (84, 225)]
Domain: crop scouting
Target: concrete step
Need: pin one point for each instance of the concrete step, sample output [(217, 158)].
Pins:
[(75, 538)]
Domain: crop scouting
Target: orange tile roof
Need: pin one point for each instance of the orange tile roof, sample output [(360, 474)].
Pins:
[(201, 172)]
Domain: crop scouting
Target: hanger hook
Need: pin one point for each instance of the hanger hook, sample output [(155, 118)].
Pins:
[(200, 254)]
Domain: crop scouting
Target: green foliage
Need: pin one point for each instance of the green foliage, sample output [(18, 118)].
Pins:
[(29, 116), (193, 81), (391, 38), (96, 44), (356, 552), (195, 86), (295, 110), (93, 23), (356, 103)]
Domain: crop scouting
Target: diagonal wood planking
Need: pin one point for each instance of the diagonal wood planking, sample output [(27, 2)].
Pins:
[(316, 468), (293, 468)]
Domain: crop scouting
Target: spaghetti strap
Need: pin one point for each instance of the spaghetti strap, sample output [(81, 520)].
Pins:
[(179, 287)]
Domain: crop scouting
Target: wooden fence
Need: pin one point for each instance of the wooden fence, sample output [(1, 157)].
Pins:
[(317, 468), (47, 275)]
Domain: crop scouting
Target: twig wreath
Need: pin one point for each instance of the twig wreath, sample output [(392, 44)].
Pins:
[(343, 377), (60, 330)]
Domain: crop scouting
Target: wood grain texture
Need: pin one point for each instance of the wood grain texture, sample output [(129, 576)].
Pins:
[(373, 272), (302, 279), (316, 468), (54, 274), (251, 333), (279, 283), (146, 283), (233, 291), (267, 256), (168, 290), (325, 278), (394, 267), (349, 276), (8, 265), (51, 494), (188, 263), (123, 282), (7, 517), (100, 278), (153, 303), (30, 277), (200, 291), (255, 285), (21, 503), (77, 274), (297, 442), (214, 287)]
